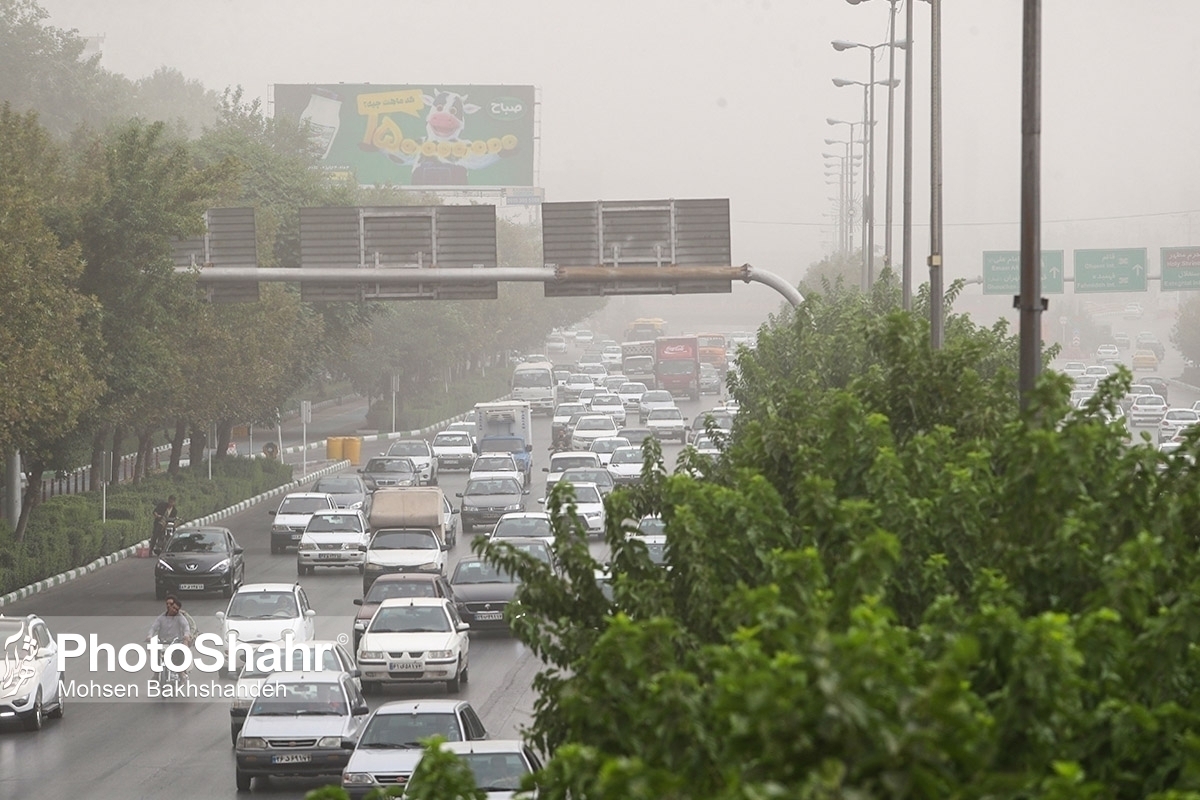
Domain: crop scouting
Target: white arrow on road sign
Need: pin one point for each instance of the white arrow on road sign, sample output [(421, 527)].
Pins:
[(1137, 268)]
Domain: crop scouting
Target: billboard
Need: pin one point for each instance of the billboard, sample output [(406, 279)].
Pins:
[(433, 135)]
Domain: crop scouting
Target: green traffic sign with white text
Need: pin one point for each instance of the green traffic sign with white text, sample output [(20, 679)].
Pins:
[(1180, 268), (1110, 270), (1002, 272)]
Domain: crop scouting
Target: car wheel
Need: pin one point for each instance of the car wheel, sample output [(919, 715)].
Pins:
[(34, 721), (361, 570), (371, 687), (300, 569), (454, 684), (228, 590), (275, 549), (234, 730), (243, 780), (59, 709), (466, 674)]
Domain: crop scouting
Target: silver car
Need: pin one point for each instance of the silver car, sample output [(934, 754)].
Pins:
[(659, 398)]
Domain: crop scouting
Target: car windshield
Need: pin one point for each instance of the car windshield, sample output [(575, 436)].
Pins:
[(409, 449), (338, 486), (606, 400), (608, 445), (587, 494), (533, 379), (639, 364), (302, 505), (627, 455), (657, 397), (410, 619), (506, 444), (197, 542), (680, 367), (335, 523), (452, 440), (282, 659), (632, 388), (301, 699), (390, 465), (495, 772), (596, 424), (502, 486), (580, 378), (263, 605), (1189, 416), (652, 526), (588, 475), (474, 570), (405, 540), (494, 464), (564, 463), (665, 413), (568, 409), (522, 527), (405, 730), (385, 590)]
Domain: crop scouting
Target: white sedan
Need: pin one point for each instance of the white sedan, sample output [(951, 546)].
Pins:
[(605, 445), (609, 404), (668, 423), (415, 640), (496, 465), (1147, 410), (1175, 421)]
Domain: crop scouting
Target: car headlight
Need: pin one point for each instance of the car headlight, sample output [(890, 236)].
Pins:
[(354, 506), (330, 741), (308, 546), (221, 565), (163, 564), (429, 565), (357, 779), (513, 507), (252, 743), (370, 567), (439, 654), (372, 655), (280, 529)]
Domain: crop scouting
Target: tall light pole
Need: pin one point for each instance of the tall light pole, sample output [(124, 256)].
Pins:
[(936, 268), (849, 145), (1030, 299), (846, 165), (906, 212)]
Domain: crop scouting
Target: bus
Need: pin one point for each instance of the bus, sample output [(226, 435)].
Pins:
[(533, 382), (712, 350), (645, 329)]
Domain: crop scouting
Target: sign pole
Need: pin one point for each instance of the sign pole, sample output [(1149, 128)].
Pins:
[(305, 418), (1030, 300)]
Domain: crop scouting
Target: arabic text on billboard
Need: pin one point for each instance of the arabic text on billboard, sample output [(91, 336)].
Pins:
[(418, 134)]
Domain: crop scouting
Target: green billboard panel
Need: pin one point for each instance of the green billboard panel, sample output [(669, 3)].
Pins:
[(1180, 268), (1110, 270), (422, 135), (1002, 272)]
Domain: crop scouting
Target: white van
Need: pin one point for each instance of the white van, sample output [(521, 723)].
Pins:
[(534, 383)]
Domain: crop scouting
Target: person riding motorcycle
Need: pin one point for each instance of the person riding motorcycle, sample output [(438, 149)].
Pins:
[(164, 513), (172, 624)]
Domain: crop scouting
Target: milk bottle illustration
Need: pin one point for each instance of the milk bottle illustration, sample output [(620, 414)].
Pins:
[(323, 114)]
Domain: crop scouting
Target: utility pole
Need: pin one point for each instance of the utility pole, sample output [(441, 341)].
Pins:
[(1030, 301)]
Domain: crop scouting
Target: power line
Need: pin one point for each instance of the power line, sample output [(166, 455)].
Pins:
[(985, 224)]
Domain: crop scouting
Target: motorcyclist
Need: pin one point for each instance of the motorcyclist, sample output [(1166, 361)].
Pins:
[(164, 512), (172, 624)]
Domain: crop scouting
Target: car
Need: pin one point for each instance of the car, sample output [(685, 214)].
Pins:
[(631, 393), (348, 490), (614, 382), (415, 640), (1148, 340), (1159, 385), (1075, 365), (1170, 447), (1122, 340), (576, 383), (389, 747), (609, 404), (721, 419), (499, 765), (421, 454), (668, 423), (1135, 390), (560, 374), (705, 445), (390, 471), (589, 507), (590, 358), (30, 680), (453, 450), (591, 427), (656, 547), (1086, 382), (1072, 372), (605, 445), (559, 419), (450, 520), (597, 372), (292, 515), (1097, 371), (483, 592), (1107, 351), (625, 466), (659, 398), (206, 559), (1147, 409), (268, 612), (561, 462), (1144, 359), (536, 358), (307, 715), (710, 379), (1133, 311), (401, 550), (1081, 396), (485, 501), (556, 343), (587, 394), (465, 427), (298, 659), (397, 584), (597, 475), (332, 539), (496, 465), (524, 525), (1175, 421), (584, 336), (636, 435), (610, 356)]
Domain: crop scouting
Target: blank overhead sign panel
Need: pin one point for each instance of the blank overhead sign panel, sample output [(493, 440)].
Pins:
[(396, 240), (638, 247), (228, 241)]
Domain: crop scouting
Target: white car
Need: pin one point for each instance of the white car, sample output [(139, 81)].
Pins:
[(465, 427), (656, 544), (499, 765), (591, 427), (422, 456), (1176, 420), (631, 394), (496, 465), (402, 550), (454, 450), (589, 507), (576, 383), (585, 336), (604, 447), (668, 423), (556, 343), (332, 539), (524, 525), (705, 445), (625, 465), (1097, 371), (415, 640), (611, 356), (1148, 409), (292, 516), (597, 372), (569, 459), (657, 398), (1107, 351), (30, 680), (268, 612), (614, 382), (609, 404)]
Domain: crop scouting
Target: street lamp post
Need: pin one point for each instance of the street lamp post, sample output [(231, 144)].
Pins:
[(845, 165), (849, 149), (937, 317)]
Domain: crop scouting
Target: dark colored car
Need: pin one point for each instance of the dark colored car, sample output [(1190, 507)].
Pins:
[(482, 592), (349, 491), (390, 471), (398, 584), (636, 435), (486, 500), (200, 560), (722, 421), (1159, 385)]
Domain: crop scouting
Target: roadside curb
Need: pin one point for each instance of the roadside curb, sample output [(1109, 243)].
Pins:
[(127, 552), (1181, 385)]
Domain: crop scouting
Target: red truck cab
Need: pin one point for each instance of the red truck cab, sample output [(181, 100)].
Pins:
[(677, 365)]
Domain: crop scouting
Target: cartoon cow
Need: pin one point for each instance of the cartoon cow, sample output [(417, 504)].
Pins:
[(444, 123)]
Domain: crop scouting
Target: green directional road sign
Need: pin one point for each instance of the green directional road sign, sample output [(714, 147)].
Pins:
[(1180, 268), (1110, 270), (1002, 272)]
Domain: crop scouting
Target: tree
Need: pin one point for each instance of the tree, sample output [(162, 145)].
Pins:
[(1186, 333)]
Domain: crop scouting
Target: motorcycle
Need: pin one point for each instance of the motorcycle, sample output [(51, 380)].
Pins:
[(168, 677), (169, 526)]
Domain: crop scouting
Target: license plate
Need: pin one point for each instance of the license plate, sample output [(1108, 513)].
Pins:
[(483, 616), (405, 666), (291, 758), (329, 555), (296, 537), (193, 587)]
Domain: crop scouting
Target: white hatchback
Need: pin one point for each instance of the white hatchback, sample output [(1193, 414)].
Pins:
[(1175, 421), (1147, 409)]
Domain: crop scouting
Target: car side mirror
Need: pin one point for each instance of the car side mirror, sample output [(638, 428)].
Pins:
[(361, 709), (463, 626), (545, 469), (528, 448), (358, 601), (220, 615), (359, 471), (237, 551), (362, 548), (356, 673), (458, 494), (310, 613), (541, 501), (270, 512), (349, 744)]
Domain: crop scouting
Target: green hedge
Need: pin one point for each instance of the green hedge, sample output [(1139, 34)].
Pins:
[(66, 532)]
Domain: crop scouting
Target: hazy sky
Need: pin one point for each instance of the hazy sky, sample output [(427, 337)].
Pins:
[(645, 99)]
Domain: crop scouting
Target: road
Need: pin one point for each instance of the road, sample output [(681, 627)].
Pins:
[(153, 749)]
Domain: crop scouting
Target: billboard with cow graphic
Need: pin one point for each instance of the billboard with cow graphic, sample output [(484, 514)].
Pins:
[(418, 134)]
